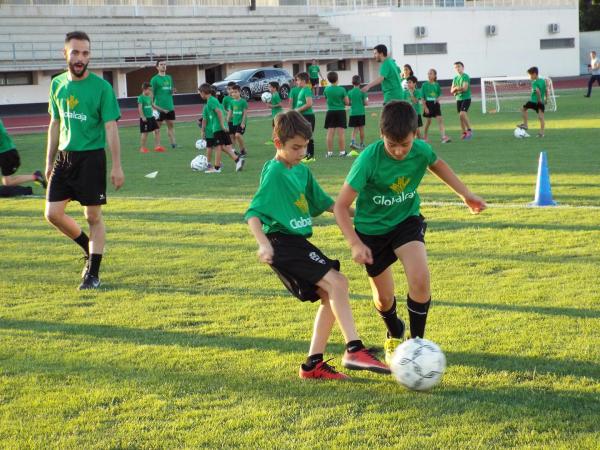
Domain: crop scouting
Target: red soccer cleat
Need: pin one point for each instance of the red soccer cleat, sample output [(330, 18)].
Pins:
[(364, 360), (144, 150), (159, 149), (323, 371)]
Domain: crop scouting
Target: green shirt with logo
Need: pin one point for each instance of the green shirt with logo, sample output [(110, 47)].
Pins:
[(237, 110), (540, 84), (431, 91), (206, 119), (276, 100), (212, 105), (357, 101), (458, 81), (82, 107), (415, 100), (313, 71), (162, 88), (287, 199), (304, 93), (390, 85), (227, 102), (6, 143), (294, 92), (335, 96), (387, 187), (146, 103)]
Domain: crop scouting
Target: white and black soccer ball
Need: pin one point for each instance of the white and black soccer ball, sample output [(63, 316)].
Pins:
[(418, 364), (200, 144), (520, 133), (266, 97), (155, 114), (199, 163)]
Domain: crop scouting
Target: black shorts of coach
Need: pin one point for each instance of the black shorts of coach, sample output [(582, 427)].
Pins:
[(300, 265), (237, 129), (335, 119), (383, 245), (537, 107), (222, 138), (170, 115), (149, 125), (314, 82), (9, 162), (463, 105), (79, 176), (356, 121), (434, 109)]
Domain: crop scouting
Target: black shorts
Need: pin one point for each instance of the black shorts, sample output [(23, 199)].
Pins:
[(383, 245), (537, 107), (419, 120), (231, 127), (463, 105), (434, 109), (79, 176), (356, 121), (211, 142), (314, 82), (166, 116), (222, 138), (237, 129), (335, 119), (300, 265), (149, 125), (9, 162)]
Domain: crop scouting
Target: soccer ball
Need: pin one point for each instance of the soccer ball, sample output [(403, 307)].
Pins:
[(200, 144), (199, 163), (266, 97), (418, 364), (520, 133), (155, 114)]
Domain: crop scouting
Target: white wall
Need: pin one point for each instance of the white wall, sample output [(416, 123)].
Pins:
[(515, 48)]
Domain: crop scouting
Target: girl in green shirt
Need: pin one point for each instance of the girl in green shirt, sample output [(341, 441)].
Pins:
[(431, 93)]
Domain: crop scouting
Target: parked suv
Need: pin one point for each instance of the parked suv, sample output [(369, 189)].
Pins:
[(253, 82)]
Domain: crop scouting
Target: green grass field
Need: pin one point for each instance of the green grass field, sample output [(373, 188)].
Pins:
[(191, 343)]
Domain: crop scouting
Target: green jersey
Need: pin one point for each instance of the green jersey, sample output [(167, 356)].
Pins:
[(387, 187), (294, 92), (357, 101), (431, 91), (458, 81), (391, 81), (276, 100), (227, 103), (313, 71), (162, 88), (146, 103), (287, 199), (415, 100), (237, 111), (304, 93), (6, 143), (335, 96), (206, 119), (212, 105), (82, 107), (540, 84)]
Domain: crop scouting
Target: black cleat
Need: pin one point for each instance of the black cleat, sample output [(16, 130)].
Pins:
[(39, 179), (89, 282)]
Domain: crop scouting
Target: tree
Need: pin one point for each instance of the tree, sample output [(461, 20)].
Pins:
[(589, 15)]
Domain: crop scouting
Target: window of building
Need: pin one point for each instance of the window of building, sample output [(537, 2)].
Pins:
[(548, 44), (16, 78), (340, 64), (437, 48)]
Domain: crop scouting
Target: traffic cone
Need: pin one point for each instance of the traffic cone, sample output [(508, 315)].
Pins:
[(543, 192)]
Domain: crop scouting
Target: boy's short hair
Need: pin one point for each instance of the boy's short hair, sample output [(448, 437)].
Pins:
[(381, 49), (290, 124), (356, 80), (274, 84), (235, 87), (303, 76), (158, 61), (145, 85), (533, 70), (398, 120), (231, 84), (332, 77), (459, 63), (205, 88), (77, 35), (413, 79)]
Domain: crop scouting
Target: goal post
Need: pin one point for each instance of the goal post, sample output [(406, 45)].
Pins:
[(509, 94)]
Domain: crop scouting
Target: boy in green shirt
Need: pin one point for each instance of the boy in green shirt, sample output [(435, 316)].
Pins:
[(461, 89), (163, 90), (537, 102), (280, 218), (314, 73), (387, 223), (293, 96), (147, 121), (226, 102), (389, 77), (275, 103), (238, 117), (304, 106), (335, 119), (358, 101), (415, 97), (432, 92)]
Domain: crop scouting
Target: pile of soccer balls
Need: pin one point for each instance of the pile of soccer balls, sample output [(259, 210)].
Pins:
[(418, 364), (200, 162)]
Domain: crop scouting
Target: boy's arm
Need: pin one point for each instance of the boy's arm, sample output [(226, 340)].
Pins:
[(265, 249), (443, 171), (306, 106), (220, 117), (375, 82), (343, 212), (244, 118), (346, 101), (203, 129), (425, 108), (141, 112), (229, 114)]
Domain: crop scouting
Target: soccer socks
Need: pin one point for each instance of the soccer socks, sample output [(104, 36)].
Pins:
[(312, 361), (354, 346), (393, 324), (310, 149), (84, 242), (417, 313), (95, 260)]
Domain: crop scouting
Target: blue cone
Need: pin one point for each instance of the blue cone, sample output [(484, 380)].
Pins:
[(543, 191)]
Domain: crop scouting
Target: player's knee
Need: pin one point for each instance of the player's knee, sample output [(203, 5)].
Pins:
[(53, 216), (420, 285), (93, 217)]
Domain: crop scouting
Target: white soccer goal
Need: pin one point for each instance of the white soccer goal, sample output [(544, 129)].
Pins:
[(508, 94)]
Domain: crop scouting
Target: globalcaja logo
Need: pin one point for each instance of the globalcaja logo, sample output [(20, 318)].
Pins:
[(72, 102), (398, 187), (302, 204), (400, 184)]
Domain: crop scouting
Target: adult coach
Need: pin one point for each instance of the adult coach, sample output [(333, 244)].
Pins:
[(162, 91), (84, 113), (594, 69), (389, 78), (314, 73)]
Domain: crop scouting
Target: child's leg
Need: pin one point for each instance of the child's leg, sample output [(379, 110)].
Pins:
[(241, 143), (157, 136), (419, 133), (143, 138), (427, 125), (329, 139), (323, 325), (209, 151), (341, 139), (524, 116), (462, 122), (14, 180), (542, 121), (336, 286), (229, 150), (354, 134), (440, 120), (218, 156), (414, 259), (171, 132), (361, 131), (382, 287)]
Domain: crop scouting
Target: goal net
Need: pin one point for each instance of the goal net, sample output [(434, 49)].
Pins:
[(509, 94)]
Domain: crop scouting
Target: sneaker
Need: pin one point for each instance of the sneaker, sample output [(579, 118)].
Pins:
[(173, 146), (522, 126), (159, 149), (446, 139), (213, 170), (353, 154), (86, 266), (309, 159), (586, 96), (89, 282), (540, 135), (39, 179), (144, 150), (468, 136), (364, 359), (322, 371), (464, 135), (239, 164), (389, 346), (353, 145), (343, 154), (361, 146), (243, 154), (329, 155)]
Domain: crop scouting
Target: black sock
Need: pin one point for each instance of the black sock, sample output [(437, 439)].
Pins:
[(354, 346), (95, 260), (310, 149), (417, 312), (312, 361), (84, 242), (393, 324), (217, 167)]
